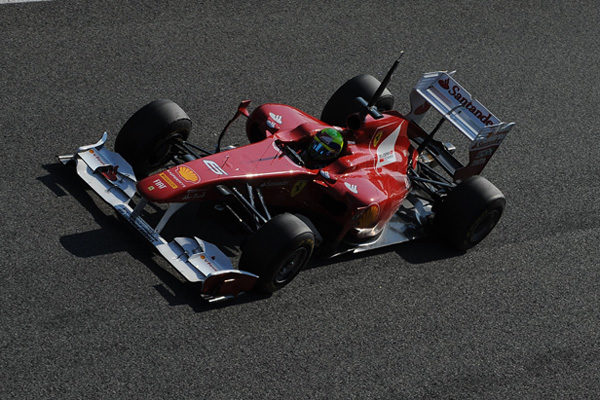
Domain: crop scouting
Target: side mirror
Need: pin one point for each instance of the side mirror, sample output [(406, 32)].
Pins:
[(243, 108)]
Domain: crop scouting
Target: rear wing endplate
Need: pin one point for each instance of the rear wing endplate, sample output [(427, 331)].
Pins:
[(469, 116)]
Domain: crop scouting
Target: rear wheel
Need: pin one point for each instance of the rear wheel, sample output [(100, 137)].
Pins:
[(343, 102), (277, 252), (146, 139), (469, 212)]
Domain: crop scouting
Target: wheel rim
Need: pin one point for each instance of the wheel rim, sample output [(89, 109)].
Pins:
[(291, 265), (485, 224)]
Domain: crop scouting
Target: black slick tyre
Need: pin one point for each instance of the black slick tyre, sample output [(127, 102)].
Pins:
[(277, 252), (146, 138), (343, 102), (469, 212)]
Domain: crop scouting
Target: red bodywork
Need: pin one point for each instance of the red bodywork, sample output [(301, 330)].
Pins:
[(370, 172)]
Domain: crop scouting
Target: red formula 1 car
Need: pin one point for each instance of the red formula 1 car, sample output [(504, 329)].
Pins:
[(363, 176)]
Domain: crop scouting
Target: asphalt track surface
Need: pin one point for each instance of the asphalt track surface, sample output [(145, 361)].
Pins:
[(88, 311)]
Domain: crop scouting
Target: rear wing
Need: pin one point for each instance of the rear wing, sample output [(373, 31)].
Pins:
[(469, 116)]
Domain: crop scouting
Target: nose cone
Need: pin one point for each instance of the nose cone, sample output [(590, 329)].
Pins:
[(169, 183)]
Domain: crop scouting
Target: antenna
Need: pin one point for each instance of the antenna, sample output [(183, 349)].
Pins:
[(385, 81)]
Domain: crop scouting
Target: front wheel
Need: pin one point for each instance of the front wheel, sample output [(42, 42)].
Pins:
[(277, 252), (146, 139), (469, 212)]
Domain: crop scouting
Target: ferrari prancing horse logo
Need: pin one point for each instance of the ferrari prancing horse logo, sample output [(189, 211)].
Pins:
[(297, 188), (377, 138)]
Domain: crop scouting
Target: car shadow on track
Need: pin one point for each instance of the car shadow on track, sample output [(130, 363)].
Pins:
[(116, 235), (419, 251)]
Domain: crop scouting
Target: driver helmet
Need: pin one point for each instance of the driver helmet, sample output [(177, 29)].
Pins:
[(327, 145)]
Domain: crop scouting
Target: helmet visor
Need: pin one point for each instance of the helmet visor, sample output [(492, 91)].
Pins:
[(323, 150)]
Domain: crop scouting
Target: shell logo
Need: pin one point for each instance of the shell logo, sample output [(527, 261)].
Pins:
[(188, 174)]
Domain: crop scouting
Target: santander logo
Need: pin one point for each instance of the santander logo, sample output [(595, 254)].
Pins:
[(484, 116)]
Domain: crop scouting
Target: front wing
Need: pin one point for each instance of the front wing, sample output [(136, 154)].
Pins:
[(196, 260)]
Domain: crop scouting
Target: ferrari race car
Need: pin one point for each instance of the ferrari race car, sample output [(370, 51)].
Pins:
[(360, 177)]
